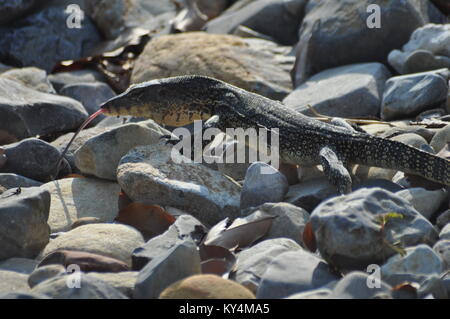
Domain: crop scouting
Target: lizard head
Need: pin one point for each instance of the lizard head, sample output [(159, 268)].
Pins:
[(175, 101)]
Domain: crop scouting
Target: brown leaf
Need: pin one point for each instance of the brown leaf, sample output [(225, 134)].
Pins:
[(308, 237), (123, 201), (150, 220), (86, 261), (240, 233), (74, 176), (216, 260)]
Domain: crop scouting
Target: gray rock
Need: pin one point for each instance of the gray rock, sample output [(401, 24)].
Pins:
[(347, 91), (255, 65), (181, 261), (89, 288), (251, 263), (286, 15), (443, 219), (159, 175), (441, 138), (9, 180), (61, 79), (355, 286), (100, 155), (184, 227), (123, 281), (424, 201), (44, 273), (433, 286), (320, 293), (407, 95), (419, 263), (427, 49), (381, 183), (23, 222), (13, 282), (445, 232), (32, 78), (309, 194), (14, 9), (442, 248), (21, 295), (28, 43), (263, 184), (330, 27), (110, 240), (294, 272), (20, 265), (91, 95), (289, 223), (25, 112), (348, 228), (75, 198), (35, 159)]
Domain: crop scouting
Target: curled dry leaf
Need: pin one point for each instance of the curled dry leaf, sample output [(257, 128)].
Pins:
[(86, 261), (150, 220), (308, 237), (216, 260), (123, 201), (241, 233)]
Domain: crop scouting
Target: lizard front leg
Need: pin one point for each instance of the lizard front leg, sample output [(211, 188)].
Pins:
[(335, 170)]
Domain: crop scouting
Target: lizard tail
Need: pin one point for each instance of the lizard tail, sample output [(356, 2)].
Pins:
[(395, 155)]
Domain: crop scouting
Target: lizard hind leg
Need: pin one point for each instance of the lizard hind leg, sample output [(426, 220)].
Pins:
[(335, 170)]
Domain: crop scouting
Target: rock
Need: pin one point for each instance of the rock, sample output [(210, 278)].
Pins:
[(351, 91), (294, 272), (35, 159), (61, 142), (25, 112), (287, 14), (13, 282), (20, 265), (424, 201), (331, 27), (355, 286), (311, 193), (409, 131), (14, 9), (74, 198), (32, 78), (111, 240), (44, 273), (61, 79), (206, 287), (255, 65), (251, 263), (114, 16), (289, 223), (85, 221), (320, 293), (427, 49), (443, 219), (100, 155), (28, 43), (263, 184), (412, 139), (184, 227), (445, 232), (442, 249), (91, 95), (441, 138), (407, 95), (419, 263), (381, 183), (21, 295), (9, 180), (87, 262), (159, 175), (23, 222), (89, 288), (122, 281), (180, 262), (348, 232)]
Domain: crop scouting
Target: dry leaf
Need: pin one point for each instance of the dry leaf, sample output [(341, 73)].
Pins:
[(123, 201), (308, 237), (150, 220), (74, 176), (216, 260)]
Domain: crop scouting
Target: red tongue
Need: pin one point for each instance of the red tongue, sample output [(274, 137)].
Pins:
[(85, 123)]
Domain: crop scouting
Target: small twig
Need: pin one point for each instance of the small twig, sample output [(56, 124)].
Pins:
[(326, 118)]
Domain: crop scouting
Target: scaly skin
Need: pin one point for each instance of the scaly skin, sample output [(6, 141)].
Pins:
[(181, 100)]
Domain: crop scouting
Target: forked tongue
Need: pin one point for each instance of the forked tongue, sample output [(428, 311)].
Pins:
[(85, 123)]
